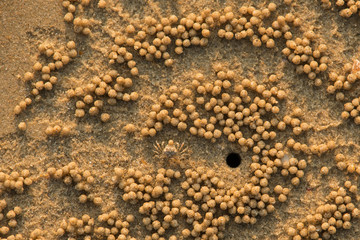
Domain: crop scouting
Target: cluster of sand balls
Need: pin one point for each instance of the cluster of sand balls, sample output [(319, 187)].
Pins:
[(43, 78), (349, 7), (9, 220), (208, 203), (83, 226), (121, 55), (51, 130), (344, 164), (229, 108), (351, 110), (81, 24), (294, 168), (37, 234), (116, 227), (107, 89), (309, 59), (88, 228), (154, 38), (343, 80), (158, 213), (328, 218), (317, 149), (15, 181), (57, 130), (251, 24), (34, 235), (82, 179), (8, 217)]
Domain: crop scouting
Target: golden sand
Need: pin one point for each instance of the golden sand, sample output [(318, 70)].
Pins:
[(179, 120)]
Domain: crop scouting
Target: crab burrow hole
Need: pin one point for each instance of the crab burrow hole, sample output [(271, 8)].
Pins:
[(233, 160)]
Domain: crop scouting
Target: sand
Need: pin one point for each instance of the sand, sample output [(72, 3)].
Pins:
[(100, 147)]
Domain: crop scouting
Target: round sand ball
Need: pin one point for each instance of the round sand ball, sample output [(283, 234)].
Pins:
[(28, 181), (270, 43), (17, 210), (65, 59), (105, 117), (79, 113), (130, 128), (11, 214), (134, 96), (324, 171), (60, 232), (22, 126), (281, 94), (83, 198), (45, 69), (272, 7), (42, 48), (291, 231), (182, 126), (49, 52), (145, 132), (179, 50), (169, 62), (28, 101), (322, 48), (130, 29), (48, 86), (134, 71), (53, 80), (37, 66), (102, 4), (57, 129), (36, 234), (39, 85), (72, 53), (295, 181), (97, 201), (4, 230), (68, 17), (282, 198), (49, 131), (86, 31), (70, 93), (185, 233), (28, 76), (71, 45), (17, 110), (65, 131), (278, 189), (25, 173)]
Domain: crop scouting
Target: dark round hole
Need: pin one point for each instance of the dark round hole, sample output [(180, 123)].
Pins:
[(233, 160)]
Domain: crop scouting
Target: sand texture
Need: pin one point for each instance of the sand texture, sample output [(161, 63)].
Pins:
[(187, 119)]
